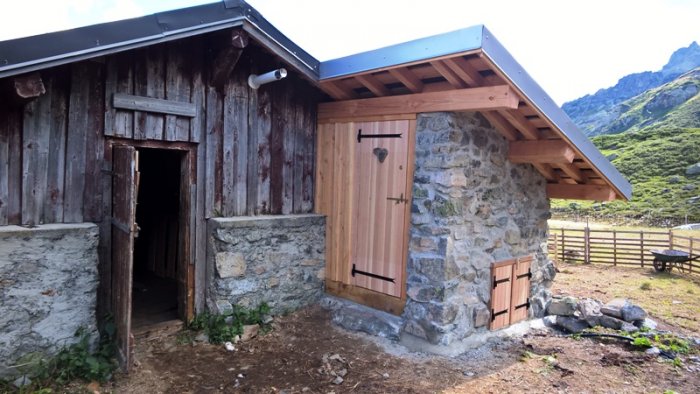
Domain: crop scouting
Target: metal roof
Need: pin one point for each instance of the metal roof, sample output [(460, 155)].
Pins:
[(48, 50)]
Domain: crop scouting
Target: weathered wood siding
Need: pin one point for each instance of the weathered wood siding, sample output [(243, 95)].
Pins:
[(256, 147)]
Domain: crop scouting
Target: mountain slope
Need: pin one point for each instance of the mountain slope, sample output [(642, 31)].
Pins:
[(674, 104), (595, 111)]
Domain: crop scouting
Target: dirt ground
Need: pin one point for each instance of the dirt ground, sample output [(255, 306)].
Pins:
[(304, 351)]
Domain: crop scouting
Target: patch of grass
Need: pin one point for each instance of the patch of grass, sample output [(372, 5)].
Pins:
[(642, 342), (224, 327), (77, 362), (645, 286)]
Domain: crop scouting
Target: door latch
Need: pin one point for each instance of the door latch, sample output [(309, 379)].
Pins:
[(398, 200)]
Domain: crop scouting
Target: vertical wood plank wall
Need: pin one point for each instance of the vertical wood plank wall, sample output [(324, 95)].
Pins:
[(254, 148)]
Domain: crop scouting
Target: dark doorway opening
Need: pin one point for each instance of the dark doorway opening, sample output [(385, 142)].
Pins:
[(156, 248)]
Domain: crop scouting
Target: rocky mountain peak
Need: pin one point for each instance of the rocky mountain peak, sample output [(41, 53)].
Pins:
[(683, 59), (593, 113)]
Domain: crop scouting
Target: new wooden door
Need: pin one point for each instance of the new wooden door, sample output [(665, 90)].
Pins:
[(379, 206), (364, 178), (124, 186)]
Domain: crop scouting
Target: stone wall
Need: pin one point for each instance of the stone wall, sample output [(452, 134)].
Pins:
[(48, 288), (274, 259), (471, 207)]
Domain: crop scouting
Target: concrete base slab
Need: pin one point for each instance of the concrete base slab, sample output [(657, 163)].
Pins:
[(356, 317)]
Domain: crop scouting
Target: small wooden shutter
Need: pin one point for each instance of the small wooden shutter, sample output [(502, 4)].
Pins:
[(510, 291), (520, 298), (502, 273)]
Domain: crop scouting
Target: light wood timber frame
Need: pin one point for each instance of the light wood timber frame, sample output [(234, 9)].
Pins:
[(459, 82)]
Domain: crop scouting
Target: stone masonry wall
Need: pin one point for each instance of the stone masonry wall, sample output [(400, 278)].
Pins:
[(274, 259), (471, 207), (48, 289)]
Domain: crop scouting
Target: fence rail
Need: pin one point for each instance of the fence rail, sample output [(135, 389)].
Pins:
[(618, 247)]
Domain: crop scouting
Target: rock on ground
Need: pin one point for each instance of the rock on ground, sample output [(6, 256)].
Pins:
[(623, 309), (571, 324), (566, 306)]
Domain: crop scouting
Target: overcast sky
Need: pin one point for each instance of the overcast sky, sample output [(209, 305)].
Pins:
[(571, 48)]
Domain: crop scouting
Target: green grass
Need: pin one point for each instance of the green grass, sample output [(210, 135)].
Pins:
[(654, 161)]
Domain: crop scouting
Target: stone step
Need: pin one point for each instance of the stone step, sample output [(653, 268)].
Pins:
[(356, 317)]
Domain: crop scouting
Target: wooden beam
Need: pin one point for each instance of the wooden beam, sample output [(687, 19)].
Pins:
[(148, 104), (543, 151), (465, 71), (580, 192), (408, 78), (573, 171), (473, 99), (547, 171), (29, 86), (501, 124), (226, 59), (373, 84), (337, 91), (520, 121), (448, 74)]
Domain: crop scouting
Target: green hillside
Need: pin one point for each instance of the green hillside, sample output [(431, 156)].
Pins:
[(652, 139), (654, 160), (674, 104)]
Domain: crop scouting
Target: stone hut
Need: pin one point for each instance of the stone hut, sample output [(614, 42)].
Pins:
[(197, 159)]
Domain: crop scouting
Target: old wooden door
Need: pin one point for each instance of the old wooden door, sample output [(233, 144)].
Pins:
[(379, 206), (124, 186)]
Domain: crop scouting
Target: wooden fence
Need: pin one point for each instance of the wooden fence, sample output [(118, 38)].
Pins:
[(618, 247)]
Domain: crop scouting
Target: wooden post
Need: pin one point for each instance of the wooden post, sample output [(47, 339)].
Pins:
[(670, 239), (641, 246), (563, 245), (587, 245), (690, 263), (614, 248)]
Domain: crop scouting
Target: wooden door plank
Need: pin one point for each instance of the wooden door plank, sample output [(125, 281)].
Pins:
[(500, 294), (520, 298), (124, 209), (323, 203)]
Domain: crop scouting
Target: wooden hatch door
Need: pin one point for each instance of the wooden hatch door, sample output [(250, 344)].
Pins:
[(124, 187), (380, 206)]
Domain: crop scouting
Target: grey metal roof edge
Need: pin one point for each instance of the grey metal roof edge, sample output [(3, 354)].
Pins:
[(457, 41), (41, 51), (502, 59)]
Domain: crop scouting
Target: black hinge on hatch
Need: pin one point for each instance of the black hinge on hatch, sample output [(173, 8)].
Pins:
[(494, 314), (360, 136), (529, 275), (371, 275), (498, 282), (526, 305)]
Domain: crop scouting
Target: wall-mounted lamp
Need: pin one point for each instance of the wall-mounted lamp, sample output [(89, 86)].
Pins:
[(255, 81)]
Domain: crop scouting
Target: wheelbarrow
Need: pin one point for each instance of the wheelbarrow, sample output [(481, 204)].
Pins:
[(668, 259)]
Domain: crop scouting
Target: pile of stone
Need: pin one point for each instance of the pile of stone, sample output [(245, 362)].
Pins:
[(575, 315)]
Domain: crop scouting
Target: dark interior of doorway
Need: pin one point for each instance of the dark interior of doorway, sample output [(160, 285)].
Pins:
[(155, 290)]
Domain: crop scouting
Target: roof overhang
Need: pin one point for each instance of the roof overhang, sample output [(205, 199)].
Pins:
[(466, 69), (464, 61)]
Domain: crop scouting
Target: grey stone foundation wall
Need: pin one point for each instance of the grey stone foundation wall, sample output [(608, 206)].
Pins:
[(48, 289), (471, 207), (274, 259)]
